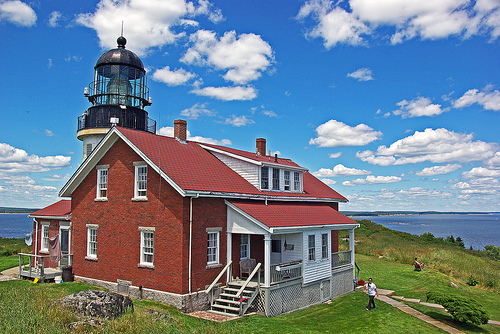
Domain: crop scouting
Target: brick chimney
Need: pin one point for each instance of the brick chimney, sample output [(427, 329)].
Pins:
[(261, 146), (180, 129)]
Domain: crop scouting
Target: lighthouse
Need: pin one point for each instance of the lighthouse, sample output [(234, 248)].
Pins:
[(118, 94)]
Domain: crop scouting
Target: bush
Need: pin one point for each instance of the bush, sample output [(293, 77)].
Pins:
[(472, 281), (461, 309)]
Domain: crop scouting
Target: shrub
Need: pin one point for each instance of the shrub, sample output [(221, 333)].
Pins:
[(472, 281), (427, 236), (461, 309)]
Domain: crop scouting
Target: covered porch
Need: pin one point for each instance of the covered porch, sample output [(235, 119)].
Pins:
[(294, 247)]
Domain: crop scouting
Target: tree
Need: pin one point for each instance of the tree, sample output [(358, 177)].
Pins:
[(460, 242), (461, 309)]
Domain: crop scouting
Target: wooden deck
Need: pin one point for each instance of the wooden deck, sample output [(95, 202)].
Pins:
[(36, 267)]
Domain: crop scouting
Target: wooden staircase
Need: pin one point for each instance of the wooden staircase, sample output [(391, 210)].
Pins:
[(230, 304)]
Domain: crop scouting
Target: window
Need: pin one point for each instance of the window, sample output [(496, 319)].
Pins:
[(102, 182), (213, 248), (276, 179), (89, 149), (245, 246), (324, 246), (276, 246), (296, 181), (312, 247), (264, 178), (44, 236), (141, 180), (147, 246), (287, 179), (92, 241)]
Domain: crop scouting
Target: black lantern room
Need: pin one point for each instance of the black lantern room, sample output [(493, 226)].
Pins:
[(119, 94)]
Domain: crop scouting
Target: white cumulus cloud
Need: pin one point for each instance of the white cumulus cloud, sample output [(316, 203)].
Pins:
[(173, 78), (340, 170), (438, 170), (17, 12), (370, 179), (436, 146), (54, 18), (242, 57), (362, 74), (479, 172), (336, 134), (239, 121), (421, 106), (154, 21), (489, 100), (197, 110), (237, 93), (14, 160)]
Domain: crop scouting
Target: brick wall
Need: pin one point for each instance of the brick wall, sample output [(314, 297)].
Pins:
[(119, 219), (53, 231)]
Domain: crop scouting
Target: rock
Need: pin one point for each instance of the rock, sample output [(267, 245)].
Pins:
[(98, 304), (453, 285)]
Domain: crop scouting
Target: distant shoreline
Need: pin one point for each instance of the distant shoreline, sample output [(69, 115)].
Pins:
[(408, 213)]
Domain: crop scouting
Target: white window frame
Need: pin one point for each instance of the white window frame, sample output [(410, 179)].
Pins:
[(245, 247), (297, 182), (275, 180), (100, 173), (286, 180), (324, 246), (213, 258), (311, 250), (265, 176), (144, 251), (92, 241), (140, 193), (44, 239)]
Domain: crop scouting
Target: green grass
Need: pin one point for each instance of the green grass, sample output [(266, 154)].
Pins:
[(385, 256)]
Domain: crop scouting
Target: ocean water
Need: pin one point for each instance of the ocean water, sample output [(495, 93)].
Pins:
[(15, 225), (475, 230)]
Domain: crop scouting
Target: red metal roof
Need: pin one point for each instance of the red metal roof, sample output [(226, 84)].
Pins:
[(194, 168), (58, 209), (292, 214)]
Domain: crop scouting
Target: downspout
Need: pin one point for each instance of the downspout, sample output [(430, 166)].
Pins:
[(36, 239), (191, 237)]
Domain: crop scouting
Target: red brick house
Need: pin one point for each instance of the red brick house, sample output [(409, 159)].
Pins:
[(171, 220)]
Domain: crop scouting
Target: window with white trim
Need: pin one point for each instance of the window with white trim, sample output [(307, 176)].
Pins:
[(276, 179), (44, 238), (264, 178), (212, 247), (92, 241), (141, 180), (286, 178), (311, 247), (245, 246), (296, 181), (147, 246), (324, 245), (102, 182)]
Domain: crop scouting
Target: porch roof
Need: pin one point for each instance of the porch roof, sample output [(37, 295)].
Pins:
[(290, 214), (58, 210)]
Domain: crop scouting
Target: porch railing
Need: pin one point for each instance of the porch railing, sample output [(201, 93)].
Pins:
[(286, 271), (209, 290), (341, 258), (36, 265)]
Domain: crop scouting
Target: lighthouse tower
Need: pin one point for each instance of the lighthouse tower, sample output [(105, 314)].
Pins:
[(118, 94)]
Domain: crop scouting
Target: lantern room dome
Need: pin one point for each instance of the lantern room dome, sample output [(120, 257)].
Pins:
[(120, 56)]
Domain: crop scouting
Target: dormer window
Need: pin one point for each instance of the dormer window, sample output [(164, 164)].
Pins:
[(264, 178), (296, 181), (276, 179), (287, 180)]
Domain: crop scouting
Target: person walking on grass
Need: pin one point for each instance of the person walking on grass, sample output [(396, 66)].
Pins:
[(372, 292)]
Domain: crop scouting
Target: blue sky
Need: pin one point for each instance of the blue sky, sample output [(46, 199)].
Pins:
[(394, 104)]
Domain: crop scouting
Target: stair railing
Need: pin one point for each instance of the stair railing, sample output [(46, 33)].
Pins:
[(244, 304), (210, 288)]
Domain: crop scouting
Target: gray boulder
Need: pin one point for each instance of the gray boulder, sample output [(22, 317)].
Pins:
[(98, 304)]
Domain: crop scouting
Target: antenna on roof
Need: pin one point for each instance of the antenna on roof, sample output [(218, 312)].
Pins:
[(122, 29)]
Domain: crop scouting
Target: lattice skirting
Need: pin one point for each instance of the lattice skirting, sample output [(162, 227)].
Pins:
[(295, 296)]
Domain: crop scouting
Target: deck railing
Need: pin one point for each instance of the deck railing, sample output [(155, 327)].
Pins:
[(36, 265), (341, 258), (286, 271)]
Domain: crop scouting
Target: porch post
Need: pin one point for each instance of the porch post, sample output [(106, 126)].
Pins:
[(267, 260), (351, 248), (229, 245)]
